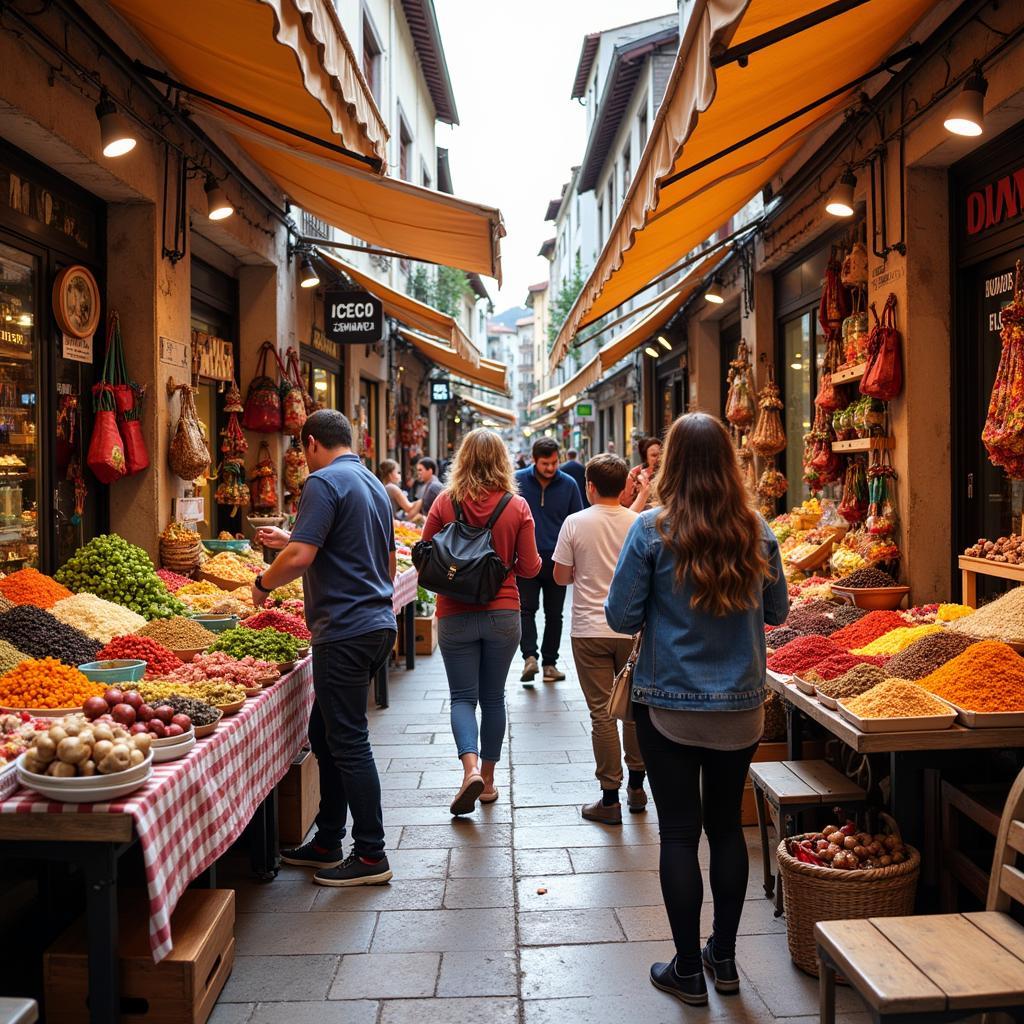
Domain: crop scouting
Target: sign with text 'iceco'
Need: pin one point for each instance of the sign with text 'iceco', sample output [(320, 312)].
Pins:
[(353, 318)]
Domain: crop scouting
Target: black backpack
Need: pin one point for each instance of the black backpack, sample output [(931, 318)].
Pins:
[(460, 562)]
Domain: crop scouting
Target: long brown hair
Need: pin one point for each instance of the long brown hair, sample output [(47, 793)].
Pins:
[(706, 519), (481, 466)]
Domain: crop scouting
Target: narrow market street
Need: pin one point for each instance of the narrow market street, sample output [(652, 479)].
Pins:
[(463, 932)]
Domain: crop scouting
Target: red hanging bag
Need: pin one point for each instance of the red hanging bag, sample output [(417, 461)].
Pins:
[(106, 448), (883, 378), (128, 401), (262, 412)]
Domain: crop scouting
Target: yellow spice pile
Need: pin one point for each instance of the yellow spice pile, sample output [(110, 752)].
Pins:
[(896, 698), (898, 639)]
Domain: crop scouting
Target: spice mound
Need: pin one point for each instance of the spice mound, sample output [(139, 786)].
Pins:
[(102, 620), (41, 635), (178, 633), (159, 660), (867, 578), (213, 691), (899, 639), (229, 567), (927, 654), (46, 684), (778, 638), (845, 614), (951, 612), (281, 621), (1001, 619), (895, 698), (173, 581), (801, 654), (246, 672), (870, 627), (857, 680), (987, 677), (198, 587), (836, 665), (199, 711), (29, 586)]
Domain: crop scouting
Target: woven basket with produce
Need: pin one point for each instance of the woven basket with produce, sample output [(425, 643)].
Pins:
[(180, 549), (842, 874)]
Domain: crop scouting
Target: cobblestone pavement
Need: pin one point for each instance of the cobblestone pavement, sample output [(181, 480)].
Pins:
[(462, 933)]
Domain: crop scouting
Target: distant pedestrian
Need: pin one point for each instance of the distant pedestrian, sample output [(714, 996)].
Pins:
[(430, 484), (343, 547), (520, 461), (610, 448), (640, 486), (479, 643), (415, 490), (553, 497), (574, 468), (586, 553), (701, 575), (401, 506)]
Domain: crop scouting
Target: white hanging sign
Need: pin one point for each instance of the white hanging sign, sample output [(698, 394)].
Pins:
[(77, 349)]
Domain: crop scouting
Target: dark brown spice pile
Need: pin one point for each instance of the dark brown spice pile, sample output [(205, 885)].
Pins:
[(847, 613), (780, 637), (924, 656), (857, 680), (866, 578)]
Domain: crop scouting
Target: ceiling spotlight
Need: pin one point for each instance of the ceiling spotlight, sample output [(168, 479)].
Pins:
[(652, 351), (840, 202), (967, 115), (714, 292), (116, 136), (665, 343), (308, 277), (217, 205)]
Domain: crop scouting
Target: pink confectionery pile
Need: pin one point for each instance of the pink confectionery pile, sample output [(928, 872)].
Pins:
[(246, 672), (172, 580), (279, 620)]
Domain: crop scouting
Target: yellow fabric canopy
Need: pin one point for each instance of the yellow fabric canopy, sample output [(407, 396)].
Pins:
[(495, 411), (549, 397), (486, 373), (410, 311), (287, 60), (545, 421), (705, 110)]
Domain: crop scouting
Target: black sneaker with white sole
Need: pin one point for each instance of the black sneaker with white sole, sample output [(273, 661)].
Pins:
[(312, 855), (692, 989), (727, 978), (355, 871)]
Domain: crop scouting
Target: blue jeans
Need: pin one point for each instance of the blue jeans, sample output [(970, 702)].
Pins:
[(478, 648)]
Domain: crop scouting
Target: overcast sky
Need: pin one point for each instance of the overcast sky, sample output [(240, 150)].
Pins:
[(512, 67)]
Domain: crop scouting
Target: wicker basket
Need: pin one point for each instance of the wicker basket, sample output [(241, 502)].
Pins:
[(814, 894), (181, 556)]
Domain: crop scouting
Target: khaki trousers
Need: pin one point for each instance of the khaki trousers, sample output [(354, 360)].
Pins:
[(598, 660)]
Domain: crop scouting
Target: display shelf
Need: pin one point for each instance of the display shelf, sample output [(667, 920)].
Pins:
[(850, 374), (971, 568), (862, 444)]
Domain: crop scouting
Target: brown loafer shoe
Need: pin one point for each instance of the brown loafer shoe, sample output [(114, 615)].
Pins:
[(636, 800), (466, 798), (606, 814), (552, 675)]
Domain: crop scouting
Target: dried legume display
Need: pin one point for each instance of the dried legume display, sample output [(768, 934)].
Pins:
[(801, 654), (10, 656), (899, 639), (856, 680), (280, 621), (927, 654), (247, 672), (41, 635), (266, 644), (102, 620), (867, 578), (199, 711), (46, 683), (864, 630), (1001, 619), (227, 566), (895, 698), (987, 677), (845, 614), (159, 660), (29, 586), (5, 603), (199, 587), (213, 691), (178, 633)]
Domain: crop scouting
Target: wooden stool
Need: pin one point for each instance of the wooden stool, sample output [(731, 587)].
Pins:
[(982, 805), (943, 967), (791, 788)]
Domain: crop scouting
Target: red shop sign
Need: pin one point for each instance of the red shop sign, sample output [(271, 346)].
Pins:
[(995, 202)]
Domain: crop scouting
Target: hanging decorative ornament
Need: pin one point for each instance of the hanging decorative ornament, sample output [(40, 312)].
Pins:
[(233, 399), (769, 436), (739, 403)]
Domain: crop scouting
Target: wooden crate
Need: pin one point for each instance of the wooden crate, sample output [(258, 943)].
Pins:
[(426, 635), (298, 799), (181, 989), (775, 752)]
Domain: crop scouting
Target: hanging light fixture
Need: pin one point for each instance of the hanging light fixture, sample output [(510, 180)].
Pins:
[(651, 351), (308, 277), (217, 204), (116, 135), (967, 115), (714, 292), (840, 201), (665, 343)]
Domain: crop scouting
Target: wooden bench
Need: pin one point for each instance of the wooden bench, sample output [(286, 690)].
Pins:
[(942, 967), (791, 788)]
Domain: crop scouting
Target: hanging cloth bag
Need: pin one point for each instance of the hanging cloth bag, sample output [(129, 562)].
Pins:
[(293, 402), (106, 448), (128, 399), (883, 378), (262, 413), (263, 483), (295, 373), (189, 457)]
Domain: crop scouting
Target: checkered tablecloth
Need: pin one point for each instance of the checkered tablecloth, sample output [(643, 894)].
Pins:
[(193, 809), (406, 585)]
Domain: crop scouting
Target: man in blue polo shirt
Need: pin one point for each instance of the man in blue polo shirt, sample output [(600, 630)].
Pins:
[(552, 496), (343, 547)]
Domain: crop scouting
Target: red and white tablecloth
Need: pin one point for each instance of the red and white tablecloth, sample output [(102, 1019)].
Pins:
[(193, 809), (406, 585)]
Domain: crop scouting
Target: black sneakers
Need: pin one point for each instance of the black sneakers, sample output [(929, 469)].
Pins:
[(353, 871), (310, 855), (692, 990), (727, 978)]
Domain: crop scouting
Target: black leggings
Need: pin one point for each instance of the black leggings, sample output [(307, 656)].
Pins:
[(684, 780)]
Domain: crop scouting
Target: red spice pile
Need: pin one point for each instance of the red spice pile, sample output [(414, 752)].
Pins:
[(801, 654), (281, 621), (172, 581), (159, 660), (837, 665), (871, 627)]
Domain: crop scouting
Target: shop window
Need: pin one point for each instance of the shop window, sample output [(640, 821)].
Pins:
[(372, 57), (405, 142), (627, 166)]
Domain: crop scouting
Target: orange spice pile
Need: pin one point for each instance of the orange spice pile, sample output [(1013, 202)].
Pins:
[(987, 677), (46, 683), (29, 586)]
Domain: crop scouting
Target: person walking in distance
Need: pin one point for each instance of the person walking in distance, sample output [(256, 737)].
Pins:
[(552, 496), (429, 483), (586, 553), (343, 547), (477, 642), (574, 468), (701, 575), (637, 492)]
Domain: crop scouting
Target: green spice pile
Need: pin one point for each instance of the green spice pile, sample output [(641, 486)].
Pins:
[(10, 656), (857, 680), (266, 644), (924, 656), (178, 634)]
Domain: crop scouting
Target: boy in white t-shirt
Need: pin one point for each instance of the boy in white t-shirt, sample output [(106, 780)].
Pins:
[(586, 554)]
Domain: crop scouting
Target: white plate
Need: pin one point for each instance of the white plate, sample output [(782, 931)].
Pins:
[(803, 686), (39, 784), (170, 741), (176, 750), (917, 723), (88, 781), (988, 719)]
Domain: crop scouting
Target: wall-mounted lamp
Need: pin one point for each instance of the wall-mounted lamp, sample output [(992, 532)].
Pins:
[(308, 277), (217, 205), (652, 351), (664, 343), (967, 115), (714, 292), (840, 201), (116, 135)]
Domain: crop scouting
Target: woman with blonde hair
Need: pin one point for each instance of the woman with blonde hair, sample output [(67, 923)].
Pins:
[(478, 642), (700, 575)]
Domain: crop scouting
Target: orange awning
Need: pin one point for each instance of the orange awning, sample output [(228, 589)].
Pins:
[(705, 110), (545, 398), (486, 373), (410, 311), (494, 411)]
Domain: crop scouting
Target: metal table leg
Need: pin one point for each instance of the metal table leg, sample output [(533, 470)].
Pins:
[(409, 613), (263, 849)]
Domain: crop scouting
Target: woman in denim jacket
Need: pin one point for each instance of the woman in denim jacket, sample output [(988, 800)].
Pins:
[(701, 575)]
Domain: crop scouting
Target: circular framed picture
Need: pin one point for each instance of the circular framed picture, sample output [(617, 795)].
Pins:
[(76, 301)]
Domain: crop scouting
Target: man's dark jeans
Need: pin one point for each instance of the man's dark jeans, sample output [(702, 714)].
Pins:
[(530, 592), (340, 738)]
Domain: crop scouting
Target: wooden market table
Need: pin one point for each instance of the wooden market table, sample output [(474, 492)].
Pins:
[(971, 568), (407, 586), (184, 818)]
